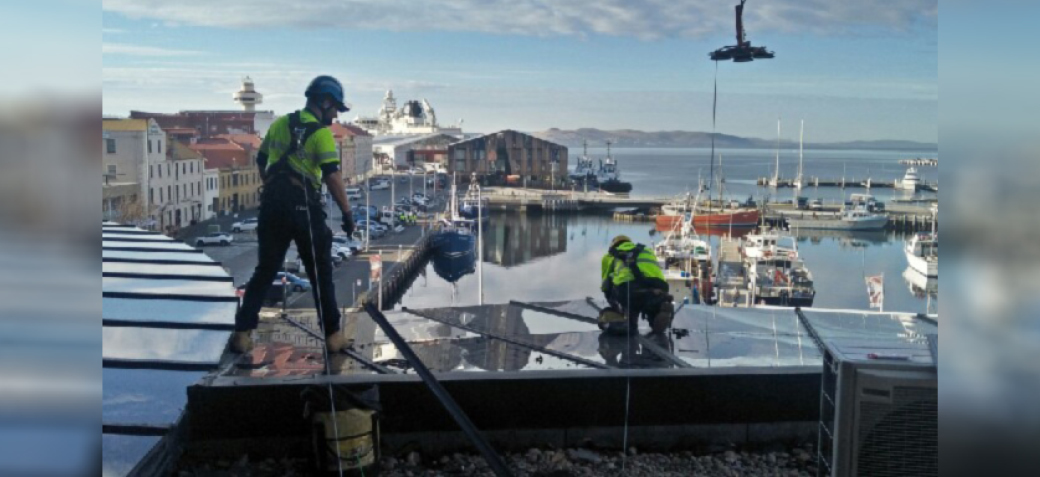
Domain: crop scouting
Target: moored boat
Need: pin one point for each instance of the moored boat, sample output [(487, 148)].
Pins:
[(922, 254)]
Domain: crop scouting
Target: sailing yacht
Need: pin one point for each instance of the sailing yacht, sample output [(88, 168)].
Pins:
[(799, 182), (775, 180)]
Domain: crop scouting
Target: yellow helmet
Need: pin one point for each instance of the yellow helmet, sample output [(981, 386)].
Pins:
[(620, 239)]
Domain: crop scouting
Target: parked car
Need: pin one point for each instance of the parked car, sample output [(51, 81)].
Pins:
[(340, 250), (295, 283), (215, 238), (245, 225), (353, 193), (372, 224), (816, 204), (379, 185), (354, 244)]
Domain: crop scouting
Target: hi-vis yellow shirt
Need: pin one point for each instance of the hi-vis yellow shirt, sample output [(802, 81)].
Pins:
[(319, 150)]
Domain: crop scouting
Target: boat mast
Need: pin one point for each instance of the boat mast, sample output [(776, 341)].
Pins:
[(801, 151), (776, 175)]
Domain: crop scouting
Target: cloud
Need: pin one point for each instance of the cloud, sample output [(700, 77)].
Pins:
[(112, 31), (140, 50), (645, 19)]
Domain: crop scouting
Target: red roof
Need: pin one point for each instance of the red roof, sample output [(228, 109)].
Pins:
[(221, 153), (341, 130), (244, 140)]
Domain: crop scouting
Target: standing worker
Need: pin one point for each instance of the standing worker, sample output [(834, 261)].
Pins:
[(297, 155), (632, 282)]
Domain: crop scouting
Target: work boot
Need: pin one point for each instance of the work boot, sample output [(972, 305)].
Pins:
[(663, 319), (336, 342), (242, 342)]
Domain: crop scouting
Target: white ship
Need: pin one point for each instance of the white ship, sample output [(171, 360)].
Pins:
[(414, 117), (911, 181), (922, 254)]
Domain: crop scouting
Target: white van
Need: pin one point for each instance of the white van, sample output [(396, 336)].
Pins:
[(353, 193)]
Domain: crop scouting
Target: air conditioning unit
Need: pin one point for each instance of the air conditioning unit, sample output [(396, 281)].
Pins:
[(879, 407)]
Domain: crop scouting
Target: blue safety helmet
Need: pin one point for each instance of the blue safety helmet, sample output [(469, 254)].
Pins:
[(328, 85)]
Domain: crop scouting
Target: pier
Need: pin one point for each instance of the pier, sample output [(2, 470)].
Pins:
[(852, 183)]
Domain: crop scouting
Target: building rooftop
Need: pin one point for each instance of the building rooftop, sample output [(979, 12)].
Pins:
[(340, 130), (243, 140), (124, 124), (221, 153), (179, 152)]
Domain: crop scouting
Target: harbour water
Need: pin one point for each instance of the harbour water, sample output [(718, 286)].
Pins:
[(549, 257), (557, 257), (670, 171)]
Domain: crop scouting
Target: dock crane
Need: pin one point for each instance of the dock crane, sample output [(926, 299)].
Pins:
[(742, 52)]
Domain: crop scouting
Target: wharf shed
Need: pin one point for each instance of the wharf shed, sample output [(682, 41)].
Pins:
[(509, 153)]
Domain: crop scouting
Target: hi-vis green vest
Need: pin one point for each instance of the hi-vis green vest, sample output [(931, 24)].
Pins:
[(319, 149), (614, 271)]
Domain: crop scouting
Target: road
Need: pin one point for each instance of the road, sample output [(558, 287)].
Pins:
[(240, 258)]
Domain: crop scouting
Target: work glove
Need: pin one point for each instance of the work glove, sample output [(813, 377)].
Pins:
[(348, 224)]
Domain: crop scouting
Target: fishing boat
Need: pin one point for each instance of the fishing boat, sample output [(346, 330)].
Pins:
[(777, 274), (781, 281), (473, 204), (851, 219), (922, 253), (706, 215), (767, 245), (609, 175), (685, 261), (454, 235)]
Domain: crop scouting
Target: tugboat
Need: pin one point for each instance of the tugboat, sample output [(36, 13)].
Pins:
[(584, 174), (609, 175)]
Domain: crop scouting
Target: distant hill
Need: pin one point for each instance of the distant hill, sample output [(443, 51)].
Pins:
[(634, 138)]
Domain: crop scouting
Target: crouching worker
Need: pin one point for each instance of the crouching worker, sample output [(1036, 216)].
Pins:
[(634, 285)]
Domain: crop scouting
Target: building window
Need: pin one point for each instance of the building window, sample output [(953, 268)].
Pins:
[(151, 195), (149, 146), (176, 172), (159, 143), (111, 169), (110, 146), (234, 180), (161, 196)]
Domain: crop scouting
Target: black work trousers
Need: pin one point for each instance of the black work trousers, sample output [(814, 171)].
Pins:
[(287, 215), (633, 301)]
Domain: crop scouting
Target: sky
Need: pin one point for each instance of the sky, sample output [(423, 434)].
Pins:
[(853, 70)]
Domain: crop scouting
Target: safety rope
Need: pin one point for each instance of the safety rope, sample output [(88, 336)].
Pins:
[(321, 322)]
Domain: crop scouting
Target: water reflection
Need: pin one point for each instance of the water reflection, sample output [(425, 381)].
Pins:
[(561, 262), (512, 240)]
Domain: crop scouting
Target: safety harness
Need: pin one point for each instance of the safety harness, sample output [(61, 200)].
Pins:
[(299, 133), (630, 259)]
